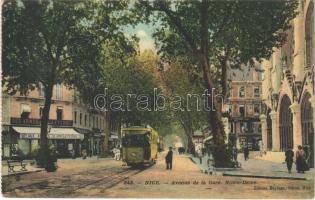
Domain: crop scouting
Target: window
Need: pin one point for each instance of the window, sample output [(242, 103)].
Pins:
[(242, 110), (80, 118), (256, 108), (85, 119), (75, 117), (93, 122), (25, 111), (90, 121), (59, 113), (41, 91), (59, 91), (242, 91), (256, 92), (41, 111), (256, 127), (244, 127), (96, 122)]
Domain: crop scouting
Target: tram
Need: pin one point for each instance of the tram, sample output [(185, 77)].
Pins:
[(139, 145)]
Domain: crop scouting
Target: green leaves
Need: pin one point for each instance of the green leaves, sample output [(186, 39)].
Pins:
[(60, 37)]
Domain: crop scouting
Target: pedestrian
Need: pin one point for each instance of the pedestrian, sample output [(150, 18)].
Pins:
[(169, 159), (117, 154), (289, 154), (307, 157), (235, 154), (300, 160), (246, 153), (84, 154)]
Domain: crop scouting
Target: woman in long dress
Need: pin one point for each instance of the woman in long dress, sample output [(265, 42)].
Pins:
[(300, 160)]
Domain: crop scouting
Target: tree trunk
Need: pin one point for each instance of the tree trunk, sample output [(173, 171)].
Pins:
[(223, 63), (217, 128), (190, 145), (188, 133), (214, 114), (107, 133), (45, 116)]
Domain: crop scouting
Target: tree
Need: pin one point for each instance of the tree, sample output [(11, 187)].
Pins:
[(45, 42), (179, 83), (209, 31), (125, 75)]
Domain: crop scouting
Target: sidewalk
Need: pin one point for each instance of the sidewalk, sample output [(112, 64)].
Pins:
[(259, 168), (68, 162), (30, 169)]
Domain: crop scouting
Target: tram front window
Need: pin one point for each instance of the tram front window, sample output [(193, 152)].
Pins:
[(135, 141)]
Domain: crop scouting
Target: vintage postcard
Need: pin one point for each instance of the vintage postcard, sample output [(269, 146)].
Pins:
[(189, 99)]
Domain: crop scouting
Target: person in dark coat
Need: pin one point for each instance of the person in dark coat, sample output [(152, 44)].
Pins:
[(289, 154), (300, 160), (246, 153), (169, 158), (307, 157)]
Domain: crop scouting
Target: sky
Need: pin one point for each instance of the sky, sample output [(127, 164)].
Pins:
[(144, 33)]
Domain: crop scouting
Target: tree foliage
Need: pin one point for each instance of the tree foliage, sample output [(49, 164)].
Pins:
[(180, 84), (213, 33), (45, 42)]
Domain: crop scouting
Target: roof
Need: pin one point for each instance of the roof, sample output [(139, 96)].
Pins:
[(246, 73)]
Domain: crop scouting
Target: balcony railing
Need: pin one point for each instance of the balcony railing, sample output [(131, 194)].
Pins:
[(53, 122)]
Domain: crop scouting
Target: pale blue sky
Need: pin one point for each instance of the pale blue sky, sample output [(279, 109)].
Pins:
[(144, 33)]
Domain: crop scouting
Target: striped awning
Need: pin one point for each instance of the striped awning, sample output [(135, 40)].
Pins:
[(55, 133)]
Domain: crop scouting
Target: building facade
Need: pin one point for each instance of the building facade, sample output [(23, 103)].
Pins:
[(73, 126), (244, 105), (288, 87)]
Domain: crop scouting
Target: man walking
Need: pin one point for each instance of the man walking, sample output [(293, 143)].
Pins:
[(246, 153), (289, 154), (169, 158)]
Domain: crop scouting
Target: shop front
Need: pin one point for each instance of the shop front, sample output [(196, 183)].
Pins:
[(113, 141), (65, 140), (9, 141)]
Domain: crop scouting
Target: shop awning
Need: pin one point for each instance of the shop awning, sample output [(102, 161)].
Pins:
[(27, 132), (65, 133), (55, 133)]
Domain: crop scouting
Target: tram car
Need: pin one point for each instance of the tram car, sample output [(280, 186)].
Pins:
[(139, 146)]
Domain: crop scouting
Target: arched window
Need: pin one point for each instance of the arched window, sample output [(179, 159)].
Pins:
[(307, 125), (286, 132)]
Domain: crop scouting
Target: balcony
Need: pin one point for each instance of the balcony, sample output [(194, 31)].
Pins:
[(52, 122)]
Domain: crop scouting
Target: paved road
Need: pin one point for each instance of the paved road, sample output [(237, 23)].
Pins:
[(107, 178)]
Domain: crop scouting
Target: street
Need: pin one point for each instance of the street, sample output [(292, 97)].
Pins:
[(108, 178)]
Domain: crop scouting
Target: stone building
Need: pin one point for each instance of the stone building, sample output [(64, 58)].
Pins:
[(288, 87), (72, 125), (244, 105)]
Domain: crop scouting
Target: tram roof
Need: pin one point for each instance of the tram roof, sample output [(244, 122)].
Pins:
[(139, 129)]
